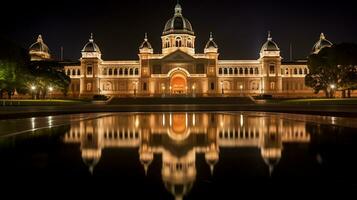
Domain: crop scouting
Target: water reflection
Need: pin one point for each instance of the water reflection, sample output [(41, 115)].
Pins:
[(179, 137)]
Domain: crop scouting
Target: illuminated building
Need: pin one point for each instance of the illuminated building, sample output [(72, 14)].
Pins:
[(179, 70)]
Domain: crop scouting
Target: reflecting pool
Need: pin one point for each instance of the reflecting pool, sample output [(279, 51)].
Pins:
[(182, 155)]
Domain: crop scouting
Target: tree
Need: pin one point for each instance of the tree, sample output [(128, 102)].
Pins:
[(48, 74), (333, 66), (13, 68)]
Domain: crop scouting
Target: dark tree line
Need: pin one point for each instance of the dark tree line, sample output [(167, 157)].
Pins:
[(18, 73), (333, 69)]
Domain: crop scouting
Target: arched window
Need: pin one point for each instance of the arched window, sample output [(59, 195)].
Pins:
[(105, 71), (300, 71), (144, 86), (89, 86), (235, 70), (251, 71), (272, 85), (136, 71), (230, 71), (178, 42), (126, 71), (131, 71), (110, 72), (78, 72), (115, 71), (189, 43), (286, 71), (295, 71), (167, 43), (73, 72), (272, 69), (225, 71), (212, 86), (246, 71), (256, 70), (68, 72), (240, 70), (305, 71), (220, 71), (121, 71)]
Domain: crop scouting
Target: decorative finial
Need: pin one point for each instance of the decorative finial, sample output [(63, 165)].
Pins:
[(269, 36), (211, 167), (322, 36), (91, 38), (39, 38), (211, 36), (178, 8), (146, 37)]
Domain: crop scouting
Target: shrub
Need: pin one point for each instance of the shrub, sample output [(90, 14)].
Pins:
[(100, 97)]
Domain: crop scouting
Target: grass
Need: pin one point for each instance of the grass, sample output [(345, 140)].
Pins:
[(322, 101), (41, 102)]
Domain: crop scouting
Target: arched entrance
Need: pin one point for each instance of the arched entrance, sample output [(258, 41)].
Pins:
[(178, 83)]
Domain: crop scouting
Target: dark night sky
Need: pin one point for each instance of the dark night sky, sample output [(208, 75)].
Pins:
[(240, 27)]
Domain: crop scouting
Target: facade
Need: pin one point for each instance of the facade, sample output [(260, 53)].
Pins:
[(179, 70)]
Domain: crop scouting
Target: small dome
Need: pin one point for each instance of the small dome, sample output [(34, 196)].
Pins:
[(320, 44), (39, 46), (178, 24), (211, 43), (269, 45), (146, 43), (91, 46)]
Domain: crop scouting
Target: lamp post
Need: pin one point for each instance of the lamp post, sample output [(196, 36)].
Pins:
[(50, 89), (241, 90), (332, 86), (163, 90), (170, 89), (33, 88), (193, 90), (135, 87), (222, 88)]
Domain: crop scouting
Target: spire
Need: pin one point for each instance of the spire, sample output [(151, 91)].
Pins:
[(210, 36), (322, 36), (269, 36), (146, 37), (91, 38), (178, 8), (39, 38)]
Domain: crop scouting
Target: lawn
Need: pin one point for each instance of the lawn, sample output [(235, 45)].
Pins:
[(47, 102), (336, 101)]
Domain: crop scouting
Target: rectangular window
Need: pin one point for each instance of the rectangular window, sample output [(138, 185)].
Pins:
[(157, 69), (200, 68), (89, 70), (144, 87), (272, 69), (212, 86)]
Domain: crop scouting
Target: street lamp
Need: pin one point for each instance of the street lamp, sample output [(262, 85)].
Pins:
[(135, 87), (193, 90), (241, 90), (33, 88), (50, 89), (332, 86), (163, 90), (170, 89)]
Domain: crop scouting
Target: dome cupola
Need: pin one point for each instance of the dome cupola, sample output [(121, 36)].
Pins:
[(146, 47), (269, 48), (320, 44), (39, 50), (178, 24), (91, 49), (211, 46)]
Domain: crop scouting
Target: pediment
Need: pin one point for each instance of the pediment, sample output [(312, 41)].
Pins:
[(178, 56)]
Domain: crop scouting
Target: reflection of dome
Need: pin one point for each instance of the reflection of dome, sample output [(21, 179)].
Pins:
[(320, 44), (91, 158), (91, 46), (178, 190), (212, 157), (271, 157), (269, 45), (39, 50), (146, 158), (178, 24)]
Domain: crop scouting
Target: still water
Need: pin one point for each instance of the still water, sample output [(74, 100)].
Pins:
[(181, 155)]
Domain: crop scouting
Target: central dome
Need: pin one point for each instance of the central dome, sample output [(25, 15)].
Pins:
[(178, 24)]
